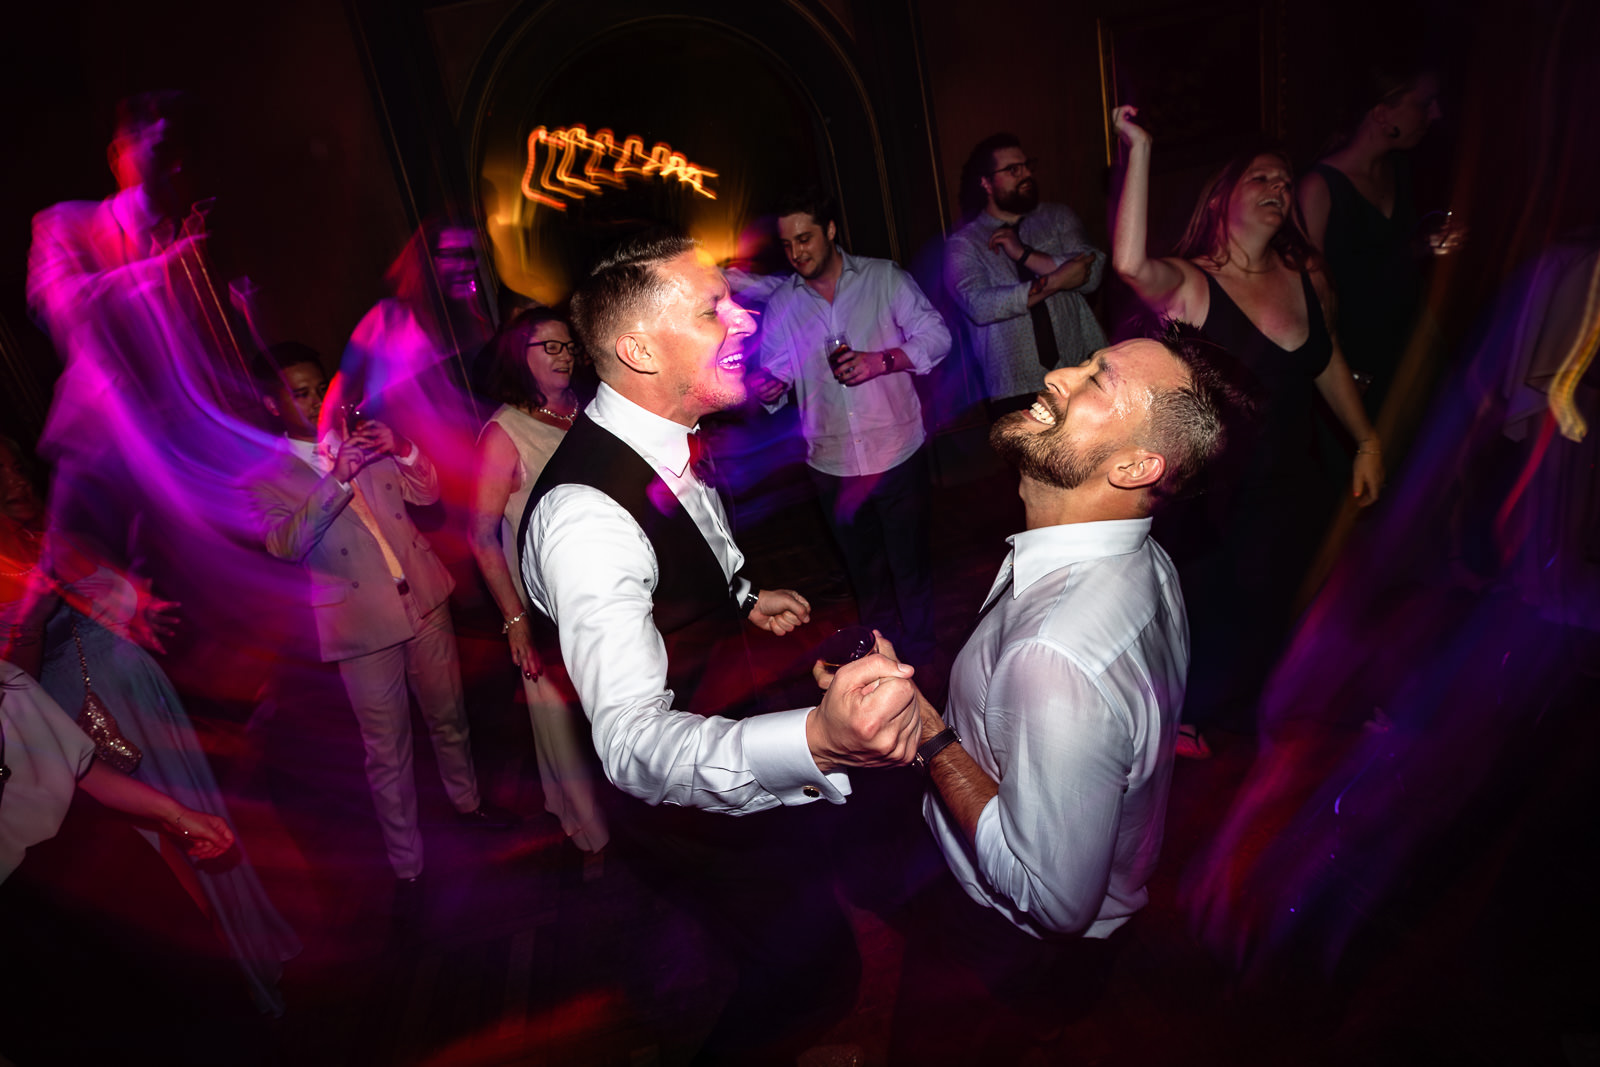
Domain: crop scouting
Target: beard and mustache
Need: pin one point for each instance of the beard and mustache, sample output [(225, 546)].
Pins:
[(1049, 456), (1020, 199)]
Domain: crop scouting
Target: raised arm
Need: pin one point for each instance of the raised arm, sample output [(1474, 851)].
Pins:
[(1158, 282)]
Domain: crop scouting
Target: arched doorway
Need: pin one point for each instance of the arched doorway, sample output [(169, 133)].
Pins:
[(699, 115)]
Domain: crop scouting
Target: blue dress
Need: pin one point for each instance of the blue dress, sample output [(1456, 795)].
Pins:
[(148, 712)]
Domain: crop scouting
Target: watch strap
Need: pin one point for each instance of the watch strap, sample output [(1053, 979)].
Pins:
[(933, 746)]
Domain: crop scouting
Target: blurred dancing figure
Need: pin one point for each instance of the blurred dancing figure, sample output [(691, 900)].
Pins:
[(75, 623), (108, 960), (378, 592), (1246, 276), (531, 376), (1020, 270), (406, 363), (145, 430), (1470, 613)]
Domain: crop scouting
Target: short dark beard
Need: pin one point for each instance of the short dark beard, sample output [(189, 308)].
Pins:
[(1018, 202), (819, 264), (1049, 456)]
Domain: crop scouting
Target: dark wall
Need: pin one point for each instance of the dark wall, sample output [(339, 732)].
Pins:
[(313, 206), (288, 140)]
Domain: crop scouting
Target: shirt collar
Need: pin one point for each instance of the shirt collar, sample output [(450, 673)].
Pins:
[(992, 223), (850, 265), (662, 441), (1035, 553), (309, 451)]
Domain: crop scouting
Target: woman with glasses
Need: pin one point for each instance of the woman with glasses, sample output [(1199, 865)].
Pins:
[(531, 376), (1247, 277)]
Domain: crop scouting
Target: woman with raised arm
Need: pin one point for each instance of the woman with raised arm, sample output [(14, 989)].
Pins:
[(1246, 276), (531, 376)]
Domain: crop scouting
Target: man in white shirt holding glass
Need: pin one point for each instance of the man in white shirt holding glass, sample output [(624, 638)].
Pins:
[(849, 333)]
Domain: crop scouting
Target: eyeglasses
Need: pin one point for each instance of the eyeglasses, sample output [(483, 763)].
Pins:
[(555, 348), (1016, 169)]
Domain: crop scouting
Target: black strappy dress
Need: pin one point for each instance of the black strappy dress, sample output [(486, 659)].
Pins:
[(1373, 264), (1258, 526)]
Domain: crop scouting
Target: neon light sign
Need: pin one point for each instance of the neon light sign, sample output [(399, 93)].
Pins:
[(564, 146)]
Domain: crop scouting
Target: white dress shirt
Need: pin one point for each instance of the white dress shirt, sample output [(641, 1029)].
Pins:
[(1068, 695), (590, 567), (852, 430)]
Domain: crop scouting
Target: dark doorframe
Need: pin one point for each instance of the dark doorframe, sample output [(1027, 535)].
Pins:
[(866, 86)]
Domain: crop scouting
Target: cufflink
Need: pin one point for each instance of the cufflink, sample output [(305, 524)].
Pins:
[(811, 791)]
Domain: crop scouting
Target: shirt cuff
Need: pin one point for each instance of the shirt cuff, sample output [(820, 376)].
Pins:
[(779, 757), (1017, 302), (410, 459)]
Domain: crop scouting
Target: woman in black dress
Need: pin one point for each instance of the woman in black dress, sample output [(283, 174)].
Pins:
[(1358, 208), (1246, 276)]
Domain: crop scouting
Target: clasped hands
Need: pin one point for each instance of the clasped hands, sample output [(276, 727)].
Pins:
[(869, 715)]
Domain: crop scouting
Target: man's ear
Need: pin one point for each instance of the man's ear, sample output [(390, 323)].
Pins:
[(1137, 468), (271, 404), (634, 354), (988, 185), (833, 232)]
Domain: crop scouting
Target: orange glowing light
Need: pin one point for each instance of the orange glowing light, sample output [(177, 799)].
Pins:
[(564, 146)]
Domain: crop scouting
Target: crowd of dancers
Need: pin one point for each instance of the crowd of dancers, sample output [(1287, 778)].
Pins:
[(222, 509)]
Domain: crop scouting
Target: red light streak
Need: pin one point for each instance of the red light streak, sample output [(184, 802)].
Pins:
[(564, 146)]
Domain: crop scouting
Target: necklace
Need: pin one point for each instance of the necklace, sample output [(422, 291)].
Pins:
[(555, 415), (1264, 270)]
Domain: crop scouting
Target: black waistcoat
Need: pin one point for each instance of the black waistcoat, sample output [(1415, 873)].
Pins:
[(693, 608)]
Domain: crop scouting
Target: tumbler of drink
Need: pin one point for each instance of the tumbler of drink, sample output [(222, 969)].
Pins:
[(846, 645), (838, 346)]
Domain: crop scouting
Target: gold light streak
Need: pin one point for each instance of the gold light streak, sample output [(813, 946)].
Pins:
[(1565, 386), (559, 177)]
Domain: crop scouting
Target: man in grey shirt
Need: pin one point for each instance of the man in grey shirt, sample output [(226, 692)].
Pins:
[(1019, 271)]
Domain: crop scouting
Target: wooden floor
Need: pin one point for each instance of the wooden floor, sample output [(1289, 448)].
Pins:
[(523, 956)]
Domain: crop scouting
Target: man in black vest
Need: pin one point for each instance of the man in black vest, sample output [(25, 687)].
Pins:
[(629, 552)]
